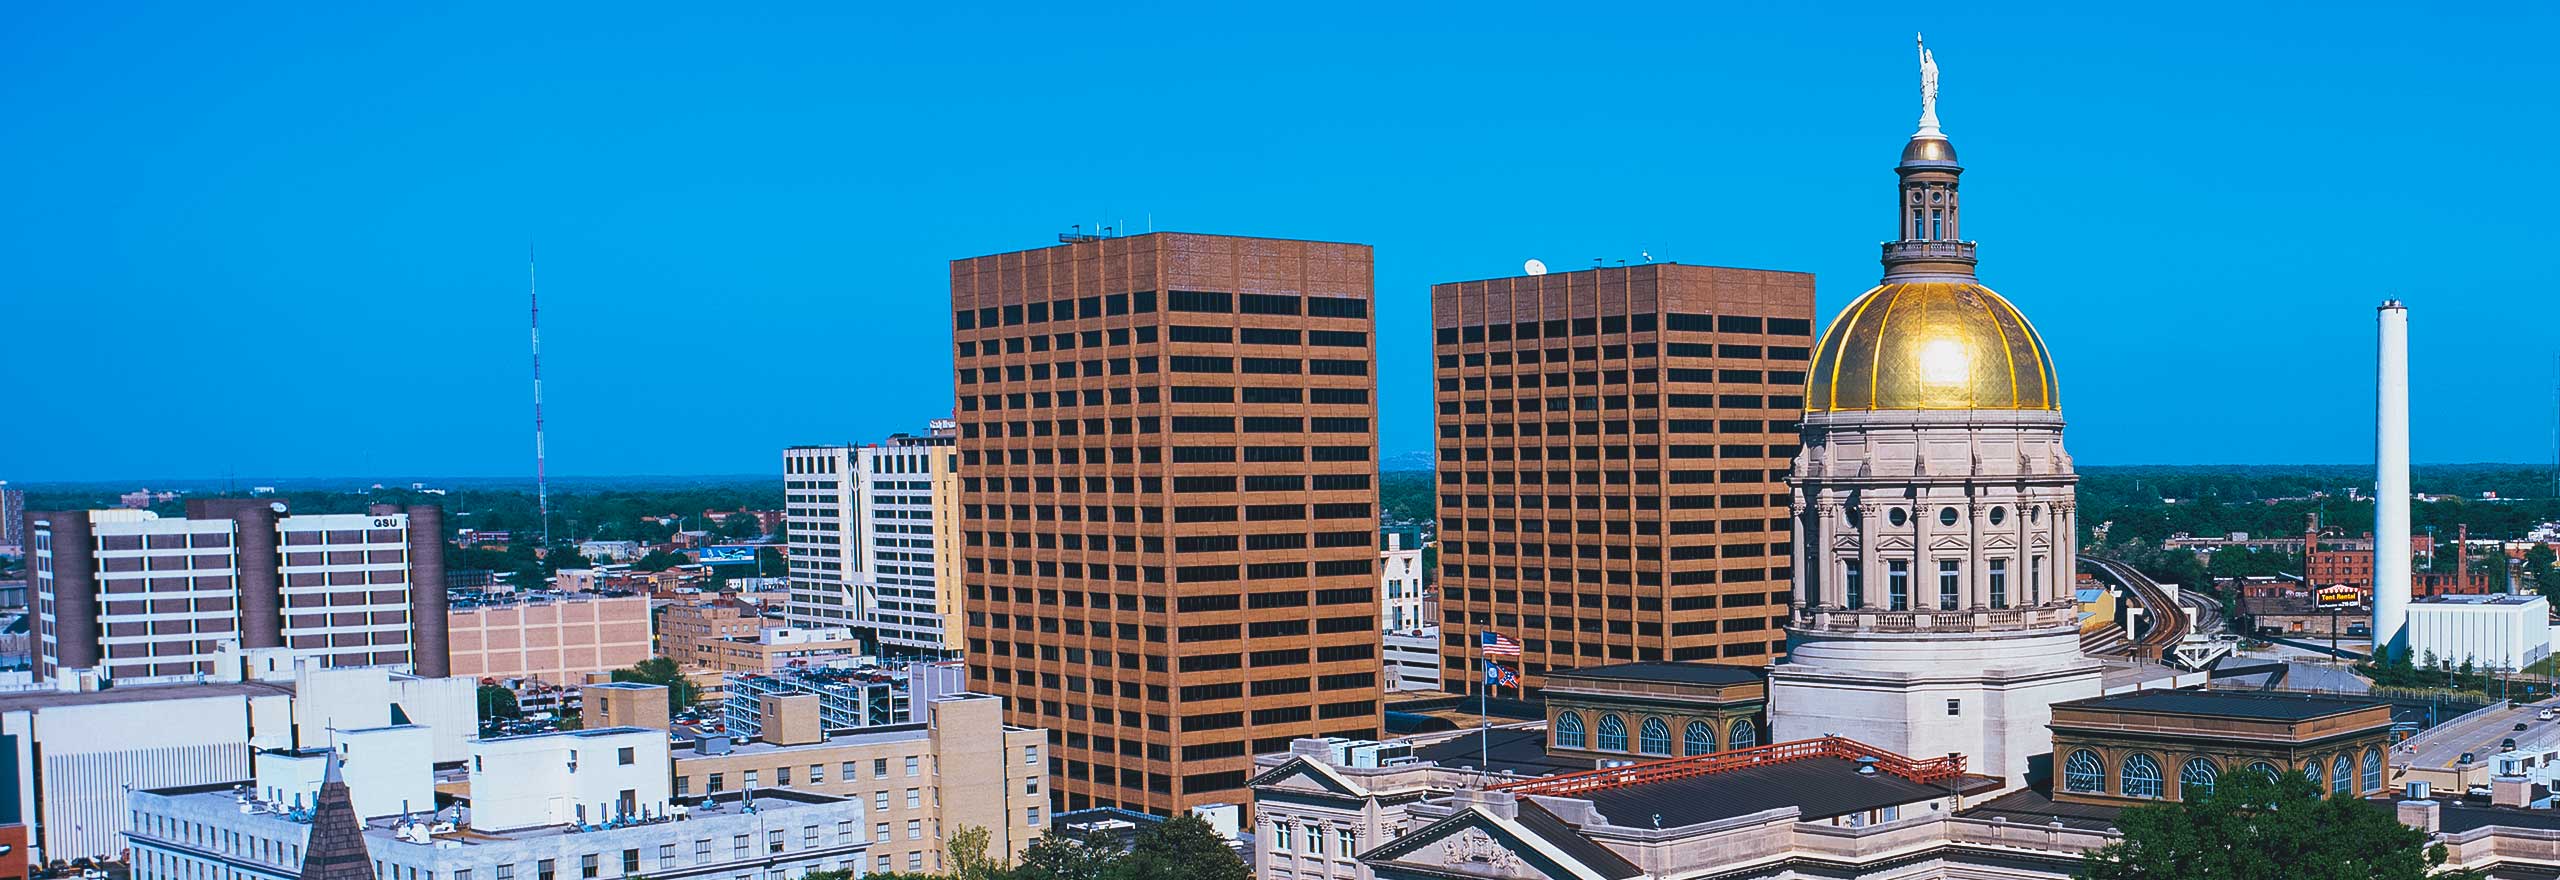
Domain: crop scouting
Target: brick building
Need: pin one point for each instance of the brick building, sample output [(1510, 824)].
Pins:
[(1613, 449), (1168, 447)]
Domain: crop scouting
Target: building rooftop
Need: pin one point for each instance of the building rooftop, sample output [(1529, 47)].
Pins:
[(1519, 751), (1820, 787), (2256, 705), (1669, 671), (142, 693), (2035, 808), (222, 798), (2479, 599)]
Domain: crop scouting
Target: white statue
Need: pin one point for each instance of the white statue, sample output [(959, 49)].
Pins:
[(1928, 88)]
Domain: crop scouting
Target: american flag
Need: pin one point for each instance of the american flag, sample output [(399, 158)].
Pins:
[(1499, 645)]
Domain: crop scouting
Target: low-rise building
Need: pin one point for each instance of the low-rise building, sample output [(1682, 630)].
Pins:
[(546, 635), (777, 648), (691, 633), (847, 698), (1400, 583), (2154, 745), (1654, 709), (1412, 658), (958, 766), (222, 830), (2493, 631), (73, 751)]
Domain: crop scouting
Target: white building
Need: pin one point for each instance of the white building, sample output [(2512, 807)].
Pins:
[(517, 824), (77, 749), (584, 777), (870, 538), (2489, 631), (1413, 659), (1400, 584)]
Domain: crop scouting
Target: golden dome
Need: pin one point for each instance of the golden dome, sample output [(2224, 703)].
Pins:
[(1934, 345)]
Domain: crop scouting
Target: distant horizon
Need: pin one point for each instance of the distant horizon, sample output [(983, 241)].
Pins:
[(401, 481)]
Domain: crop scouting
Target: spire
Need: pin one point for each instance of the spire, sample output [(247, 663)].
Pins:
[(336, 850), (1926, 240)]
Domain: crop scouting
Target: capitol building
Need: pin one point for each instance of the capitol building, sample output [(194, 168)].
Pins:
[(1935, 715), (1933, 507)]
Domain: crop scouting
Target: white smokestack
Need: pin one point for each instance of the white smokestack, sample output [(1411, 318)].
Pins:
[(2391, 561)]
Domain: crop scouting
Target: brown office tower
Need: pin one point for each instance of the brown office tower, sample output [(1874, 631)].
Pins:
[(1613, 450), (1169, 504)]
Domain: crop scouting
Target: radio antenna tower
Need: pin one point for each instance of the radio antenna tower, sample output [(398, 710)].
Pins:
[(541, 480)]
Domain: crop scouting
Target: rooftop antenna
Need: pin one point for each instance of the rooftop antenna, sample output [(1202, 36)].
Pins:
[(541, 478)]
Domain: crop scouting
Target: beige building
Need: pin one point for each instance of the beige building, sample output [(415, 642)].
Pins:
[(686, 632), (871, 539), (552, 637), (962, 767), (774, 649)]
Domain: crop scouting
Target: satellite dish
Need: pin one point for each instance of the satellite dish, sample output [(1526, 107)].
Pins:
[(1534, 267)]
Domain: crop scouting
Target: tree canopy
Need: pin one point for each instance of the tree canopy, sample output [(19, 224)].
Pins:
[(661, 670), (2254, 827), (1181, 848)]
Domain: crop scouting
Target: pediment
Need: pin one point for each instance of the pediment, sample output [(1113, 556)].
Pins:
[(1300, 774), (1999, 542), (1948, 542), (1893, 542)]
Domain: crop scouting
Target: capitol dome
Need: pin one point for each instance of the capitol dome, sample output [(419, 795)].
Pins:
[(1931, 345)]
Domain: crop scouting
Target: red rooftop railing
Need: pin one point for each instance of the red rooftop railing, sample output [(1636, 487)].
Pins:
[(1930, 770)]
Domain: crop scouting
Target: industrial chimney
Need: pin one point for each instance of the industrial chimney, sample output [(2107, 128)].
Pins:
[(2391, 484)]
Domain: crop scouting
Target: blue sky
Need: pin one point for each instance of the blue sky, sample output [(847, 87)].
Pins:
[(744, 217)]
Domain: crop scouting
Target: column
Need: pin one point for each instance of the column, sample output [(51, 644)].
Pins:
[(1924, 569), (1871, 571), (1825, 517), (1977, 575)]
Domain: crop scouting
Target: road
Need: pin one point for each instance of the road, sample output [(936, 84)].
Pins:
[(2480, 734)]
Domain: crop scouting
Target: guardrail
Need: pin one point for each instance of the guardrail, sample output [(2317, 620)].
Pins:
[(1925, 771)]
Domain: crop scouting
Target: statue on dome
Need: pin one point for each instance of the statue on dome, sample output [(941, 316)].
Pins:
[(1928, 87)]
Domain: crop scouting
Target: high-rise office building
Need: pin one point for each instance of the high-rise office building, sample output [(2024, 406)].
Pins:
[(144, 595), (1613, 450), (1169, 504), (870, 534), (13, 512)]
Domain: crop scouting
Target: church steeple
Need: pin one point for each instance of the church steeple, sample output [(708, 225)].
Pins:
[(1927, 240), (336, 850)]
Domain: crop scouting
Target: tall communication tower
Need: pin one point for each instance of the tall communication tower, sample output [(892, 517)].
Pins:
[(541, 480)]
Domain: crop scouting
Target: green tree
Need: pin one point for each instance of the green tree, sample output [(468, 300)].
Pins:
[(1181, 848), (2538, 566), (498, 702), (1066, 857), (2253, 827), (965, 855), (664, 671), (658, 560), (741, 525)]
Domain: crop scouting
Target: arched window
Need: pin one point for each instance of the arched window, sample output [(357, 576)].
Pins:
[(1742, 735), (2081, 772), (2372, 770), (1613, 734), (2342, 775), (2141, 776), (2265, 769), (1698, 739), (1653, 737), (2196, 778), (1569, 730)]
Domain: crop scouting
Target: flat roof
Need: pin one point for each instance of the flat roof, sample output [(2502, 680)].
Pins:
[(2259, 705), (1820, 787), (1519, 751), (862, 736), (2479, 599), (142, 693), (1717, 674)]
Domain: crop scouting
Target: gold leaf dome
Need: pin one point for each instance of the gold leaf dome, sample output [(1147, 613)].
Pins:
[(1931, 345)]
